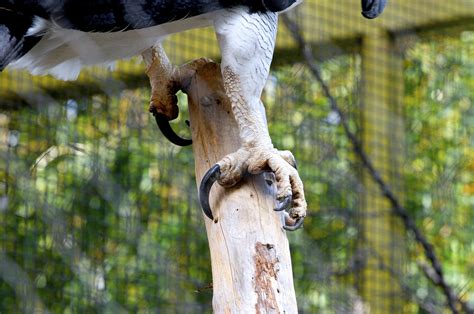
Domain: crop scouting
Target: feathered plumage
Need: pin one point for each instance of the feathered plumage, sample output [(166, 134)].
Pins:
[(75, 33), (14, 41), (61, 36)]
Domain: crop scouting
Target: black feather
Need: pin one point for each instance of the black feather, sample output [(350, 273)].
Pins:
[(13, 40), (277, 5), (121, 15), (17, 16)]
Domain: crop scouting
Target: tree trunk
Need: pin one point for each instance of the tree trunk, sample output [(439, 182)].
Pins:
[(251, 264)]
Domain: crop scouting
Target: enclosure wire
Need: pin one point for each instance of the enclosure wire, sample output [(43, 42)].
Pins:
[(438, 279)]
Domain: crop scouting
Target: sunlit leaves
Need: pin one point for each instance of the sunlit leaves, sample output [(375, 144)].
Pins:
[(440, 122)]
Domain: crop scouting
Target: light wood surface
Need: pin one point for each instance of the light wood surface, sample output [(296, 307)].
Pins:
[(251, 264)]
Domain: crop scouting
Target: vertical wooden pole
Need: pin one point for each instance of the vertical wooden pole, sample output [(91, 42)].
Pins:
[(383, 139), (251, 265)]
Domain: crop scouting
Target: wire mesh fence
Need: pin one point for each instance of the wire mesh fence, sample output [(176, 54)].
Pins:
[(99, 213)]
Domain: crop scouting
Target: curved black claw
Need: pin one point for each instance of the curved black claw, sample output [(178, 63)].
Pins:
[(283, 204), (208, 180), (167, 131), (298, 224), (373, 8)]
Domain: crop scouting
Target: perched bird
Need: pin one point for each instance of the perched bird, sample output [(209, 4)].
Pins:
[(59, 37)]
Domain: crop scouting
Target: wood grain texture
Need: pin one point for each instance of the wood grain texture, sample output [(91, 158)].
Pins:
[(251, 264)]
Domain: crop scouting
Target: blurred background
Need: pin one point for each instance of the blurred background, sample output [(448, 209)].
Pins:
[(99, 212)]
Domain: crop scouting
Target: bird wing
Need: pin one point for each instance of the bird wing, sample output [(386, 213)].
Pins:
[(122, 15)]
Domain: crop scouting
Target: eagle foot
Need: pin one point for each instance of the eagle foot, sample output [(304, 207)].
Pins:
[(230, 170), (164, 125), (165, 80)]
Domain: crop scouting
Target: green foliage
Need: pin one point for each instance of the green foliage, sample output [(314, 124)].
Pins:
[(101, 212), (95, 208), (440, 170)]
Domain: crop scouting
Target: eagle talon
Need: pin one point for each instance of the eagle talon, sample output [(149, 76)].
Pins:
[(211, 176), (298, 223), (167, 131), (373, 8), (283, 203)]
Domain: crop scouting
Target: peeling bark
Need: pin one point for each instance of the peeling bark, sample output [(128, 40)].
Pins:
[(266, 270)]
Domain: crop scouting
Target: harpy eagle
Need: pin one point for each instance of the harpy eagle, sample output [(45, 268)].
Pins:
[(59, 37)]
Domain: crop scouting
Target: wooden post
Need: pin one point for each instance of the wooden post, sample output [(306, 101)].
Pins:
[(250, 256)]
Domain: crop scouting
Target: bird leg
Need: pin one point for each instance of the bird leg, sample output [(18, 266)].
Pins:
[(257, 155), (165, 80), (247, 42)]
